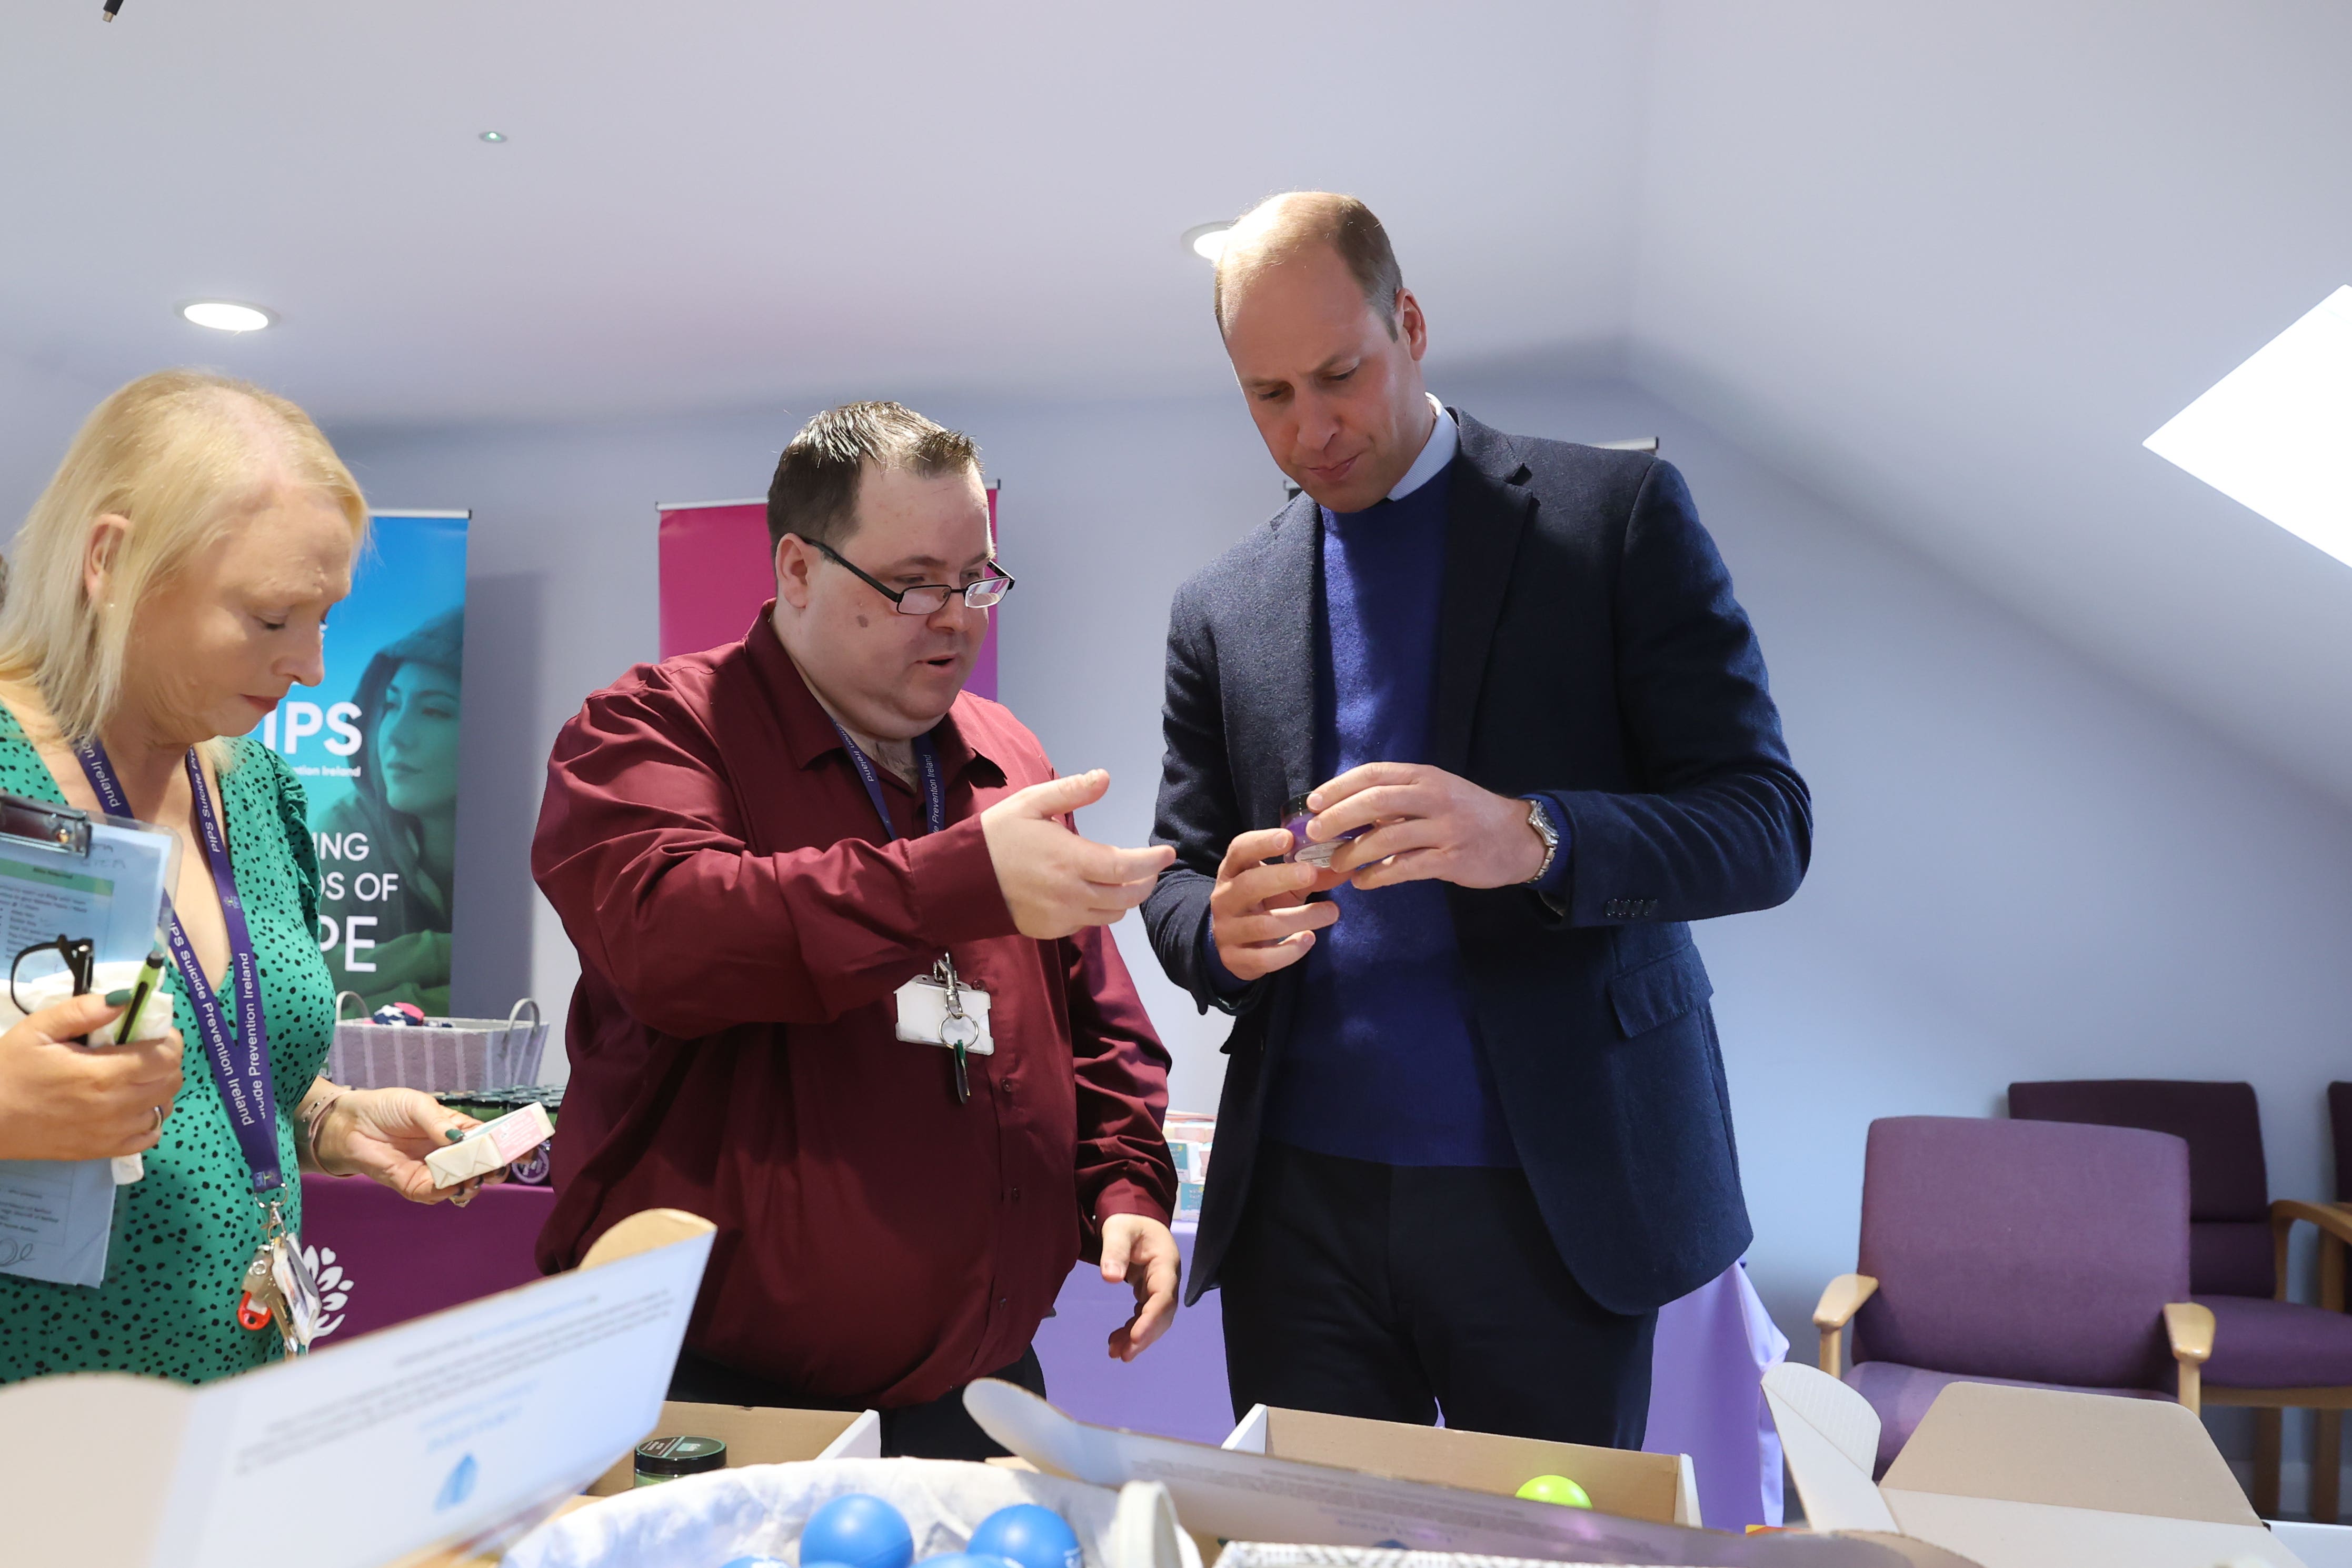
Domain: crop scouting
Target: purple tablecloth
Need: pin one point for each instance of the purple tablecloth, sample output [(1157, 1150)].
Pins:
[(1706, 1382), (382, 1260)]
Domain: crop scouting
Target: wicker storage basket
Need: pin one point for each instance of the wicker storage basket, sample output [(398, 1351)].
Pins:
[(471, 1054)]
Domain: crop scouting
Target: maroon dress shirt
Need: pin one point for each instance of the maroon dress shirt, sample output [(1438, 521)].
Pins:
[(743, 925)]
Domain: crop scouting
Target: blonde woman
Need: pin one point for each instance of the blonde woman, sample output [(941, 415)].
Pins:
[(168, 588)]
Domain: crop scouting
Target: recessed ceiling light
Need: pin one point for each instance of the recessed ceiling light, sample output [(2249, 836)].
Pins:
[(2271, 435), (494, 136), (1207, 241), (223, 316)]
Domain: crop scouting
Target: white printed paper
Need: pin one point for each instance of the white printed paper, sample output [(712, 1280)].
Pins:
[(471, 1415), (55, 1219), (433, 1431)]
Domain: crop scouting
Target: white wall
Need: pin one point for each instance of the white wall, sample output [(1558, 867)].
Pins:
[(2024, 867), (41, 406)]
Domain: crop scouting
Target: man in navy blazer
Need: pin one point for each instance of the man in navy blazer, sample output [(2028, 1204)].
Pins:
[(1474, 1129)]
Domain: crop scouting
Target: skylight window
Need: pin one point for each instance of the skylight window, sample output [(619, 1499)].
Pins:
[(2276, 433)]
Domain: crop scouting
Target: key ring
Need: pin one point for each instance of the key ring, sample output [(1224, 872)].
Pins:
[(944, 971)]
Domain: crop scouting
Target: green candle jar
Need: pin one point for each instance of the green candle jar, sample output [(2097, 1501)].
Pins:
[(663, 1459)]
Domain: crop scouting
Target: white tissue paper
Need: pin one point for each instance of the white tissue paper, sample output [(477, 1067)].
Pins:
[(699, 1521)]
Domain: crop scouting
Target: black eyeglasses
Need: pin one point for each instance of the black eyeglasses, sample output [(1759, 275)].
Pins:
[(79, 955), (929, 598)]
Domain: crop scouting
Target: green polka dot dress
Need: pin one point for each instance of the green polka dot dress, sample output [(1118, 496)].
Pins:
[(182, 1237)]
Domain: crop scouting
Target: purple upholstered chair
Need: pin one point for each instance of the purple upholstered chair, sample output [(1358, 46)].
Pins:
[(2268, 1352), (2339, 1123), (2019, 1252)]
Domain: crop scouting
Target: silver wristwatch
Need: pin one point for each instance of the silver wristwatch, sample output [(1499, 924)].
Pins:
[(1540, 821)]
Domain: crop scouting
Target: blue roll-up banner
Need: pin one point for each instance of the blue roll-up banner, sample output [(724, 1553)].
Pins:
[(375, 744)]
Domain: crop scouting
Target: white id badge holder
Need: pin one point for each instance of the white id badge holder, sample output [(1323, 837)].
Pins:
[(938, 1010)]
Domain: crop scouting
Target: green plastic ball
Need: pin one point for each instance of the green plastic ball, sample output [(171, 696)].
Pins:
[(1556, 1488)]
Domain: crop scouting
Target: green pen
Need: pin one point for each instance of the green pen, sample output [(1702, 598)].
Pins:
[(149, 974)]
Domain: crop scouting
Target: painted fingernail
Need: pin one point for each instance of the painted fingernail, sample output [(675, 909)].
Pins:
[(455, 1134), (116, 998)]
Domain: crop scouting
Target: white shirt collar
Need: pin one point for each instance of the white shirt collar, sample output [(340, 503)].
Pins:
[(1444, 442)]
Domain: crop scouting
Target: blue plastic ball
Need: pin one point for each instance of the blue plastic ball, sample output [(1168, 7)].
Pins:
[(1028, 1536), (857, 1531), (963, 1560)]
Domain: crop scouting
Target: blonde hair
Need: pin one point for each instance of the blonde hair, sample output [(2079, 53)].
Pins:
[(182, 455)]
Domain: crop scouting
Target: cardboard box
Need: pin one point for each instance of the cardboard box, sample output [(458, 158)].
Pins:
[(756, 1436), (2023, 1477), (1232, 1494), (456, 1427), (1659, 1488)]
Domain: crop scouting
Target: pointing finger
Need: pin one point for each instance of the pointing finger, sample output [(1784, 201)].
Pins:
[(1060, 796)]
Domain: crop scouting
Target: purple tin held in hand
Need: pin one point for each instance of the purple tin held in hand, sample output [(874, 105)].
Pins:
[(1295, 817)]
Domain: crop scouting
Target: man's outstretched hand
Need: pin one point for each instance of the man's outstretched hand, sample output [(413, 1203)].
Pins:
[(1055, 882)]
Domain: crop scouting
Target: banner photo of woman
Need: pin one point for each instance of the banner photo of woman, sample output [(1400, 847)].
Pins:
[(375, 746)]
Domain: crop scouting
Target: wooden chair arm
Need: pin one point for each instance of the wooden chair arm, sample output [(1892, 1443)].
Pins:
[(1843, 1299), (1840, 1300), (2334, 1221), (2189, 1327)]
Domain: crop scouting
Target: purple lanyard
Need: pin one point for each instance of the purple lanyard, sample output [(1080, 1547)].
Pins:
[(927, 758), (243, 1076)]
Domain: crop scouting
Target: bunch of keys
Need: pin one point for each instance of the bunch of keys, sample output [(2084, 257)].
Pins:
[(279, 1288), (938, 1009), (959, 1031)]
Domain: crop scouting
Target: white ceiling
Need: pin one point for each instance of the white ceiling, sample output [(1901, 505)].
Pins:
[(1948, 265), (707, 201), (1953, 264)]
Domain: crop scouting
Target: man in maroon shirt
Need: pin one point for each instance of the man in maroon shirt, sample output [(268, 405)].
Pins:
[(757, 850)]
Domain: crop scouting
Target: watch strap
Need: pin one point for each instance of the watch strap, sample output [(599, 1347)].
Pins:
[(1540, 821)]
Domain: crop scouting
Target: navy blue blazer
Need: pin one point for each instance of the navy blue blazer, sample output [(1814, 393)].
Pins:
[(1590, 648)]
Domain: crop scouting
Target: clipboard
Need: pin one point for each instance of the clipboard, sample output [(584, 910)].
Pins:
[(75, 874), (81, 874)]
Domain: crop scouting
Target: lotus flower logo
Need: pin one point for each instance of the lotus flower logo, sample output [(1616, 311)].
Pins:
[(335, 1289)]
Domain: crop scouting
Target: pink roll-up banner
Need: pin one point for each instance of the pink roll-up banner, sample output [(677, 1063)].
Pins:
[(717, 569)]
